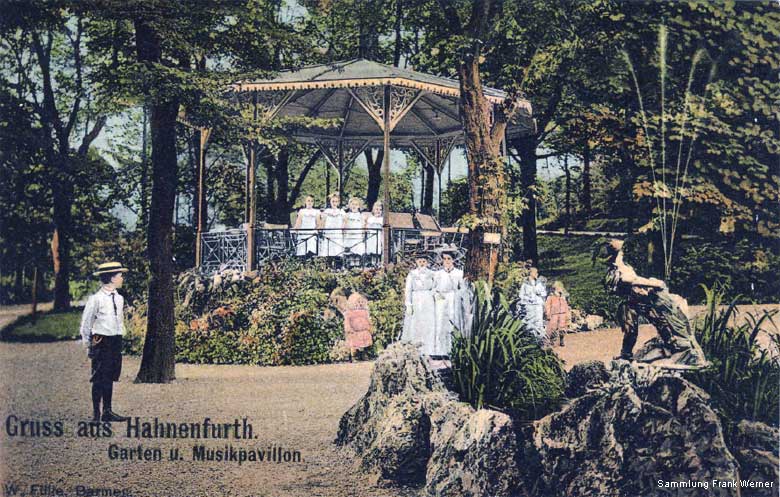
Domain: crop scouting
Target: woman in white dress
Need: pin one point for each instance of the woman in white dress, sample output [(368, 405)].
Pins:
[(419, 320), (449, 309), (332, 221), (354, 223), (306, 224), (374, 235), (533, 293)]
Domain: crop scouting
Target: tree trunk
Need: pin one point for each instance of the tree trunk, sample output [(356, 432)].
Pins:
[(18, 284), (398, 45), (144, 218), (280, 213), (586, 180), (486, 174), (34, 293), (63, 221), (567, 172), (374, 177), (526, 148), (427, 204), (158, 361)]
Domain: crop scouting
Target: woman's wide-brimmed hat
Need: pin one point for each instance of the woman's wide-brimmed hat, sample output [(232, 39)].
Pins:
[(110, 267)]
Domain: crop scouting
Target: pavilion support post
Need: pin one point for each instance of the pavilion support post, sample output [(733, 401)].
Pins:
[(201, 195), (422, 187), (341, 170), (247, 174), (251, 198), (438, 177), (386, 247), (438, 206), (252, 207)]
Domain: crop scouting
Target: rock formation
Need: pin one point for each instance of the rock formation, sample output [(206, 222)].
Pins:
[(627, 430), (408, 429), (640, 427), (755, 445)]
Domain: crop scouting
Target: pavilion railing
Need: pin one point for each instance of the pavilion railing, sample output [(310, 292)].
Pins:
[(344, 248), (223, 250)]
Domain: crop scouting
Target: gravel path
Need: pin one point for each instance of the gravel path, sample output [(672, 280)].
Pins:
[(293, 407), (604, 344)]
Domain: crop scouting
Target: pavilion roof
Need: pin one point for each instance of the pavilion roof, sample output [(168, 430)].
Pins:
[(350, 92), (360, 72)]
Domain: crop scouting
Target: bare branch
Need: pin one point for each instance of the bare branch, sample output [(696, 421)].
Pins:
[(302, 177), (76, 44), (49, 113), (90, 137)]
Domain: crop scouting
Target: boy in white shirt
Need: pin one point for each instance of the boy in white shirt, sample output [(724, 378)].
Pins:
[(102, 327)]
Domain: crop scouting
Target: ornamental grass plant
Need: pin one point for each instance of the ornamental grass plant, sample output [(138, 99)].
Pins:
[(497, 364), (744, 379)]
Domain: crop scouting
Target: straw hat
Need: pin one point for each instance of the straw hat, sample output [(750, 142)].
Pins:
[(110, 267)]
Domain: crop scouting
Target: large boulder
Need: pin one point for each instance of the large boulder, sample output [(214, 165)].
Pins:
[(388, 426), (408, 429), (472, 452), (585, 377), (755, 445), (644, 432)]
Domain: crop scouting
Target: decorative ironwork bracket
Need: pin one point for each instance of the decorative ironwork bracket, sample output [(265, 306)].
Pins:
[(371, 98)]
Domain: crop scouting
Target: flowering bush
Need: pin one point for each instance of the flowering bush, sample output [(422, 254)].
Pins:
[(280, 315)]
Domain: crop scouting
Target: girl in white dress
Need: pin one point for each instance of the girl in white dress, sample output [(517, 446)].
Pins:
[(419, 320), (354, 223), (374, 222), (449, 309), (332, 221), (306, 223)]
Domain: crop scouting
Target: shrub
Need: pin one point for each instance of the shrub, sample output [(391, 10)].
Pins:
[(497, 364), (745, 271), (281, 316), (744, 379)]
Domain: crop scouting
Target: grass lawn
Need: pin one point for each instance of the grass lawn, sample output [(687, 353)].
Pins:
[(47, 327), (569, 259)]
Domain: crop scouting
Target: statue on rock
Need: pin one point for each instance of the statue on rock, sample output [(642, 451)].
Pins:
[(676, 346)]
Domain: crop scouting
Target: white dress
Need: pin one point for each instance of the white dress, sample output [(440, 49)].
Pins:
[(353, 236), (306, 236), (374, 234), (532, 296), (332, 239), (449, 308), (420, 317)]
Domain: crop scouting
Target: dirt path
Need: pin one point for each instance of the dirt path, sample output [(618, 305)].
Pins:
[(297, 408), (604, 344)]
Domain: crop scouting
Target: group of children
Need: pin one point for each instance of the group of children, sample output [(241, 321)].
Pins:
[(333, 231), (547, 317)]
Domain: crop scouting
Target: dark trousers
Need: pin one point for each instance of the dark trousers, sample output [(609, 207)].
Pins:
[(628, 318), (106, 369)]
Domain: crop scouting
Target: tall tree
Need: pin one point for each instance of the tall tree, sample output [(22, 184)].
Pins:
[(158, 361), (51, 71)]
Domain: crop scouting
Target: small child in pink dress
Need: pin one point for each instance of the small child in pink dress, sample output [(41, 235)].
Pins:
[(357, 324), (558, 313)]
